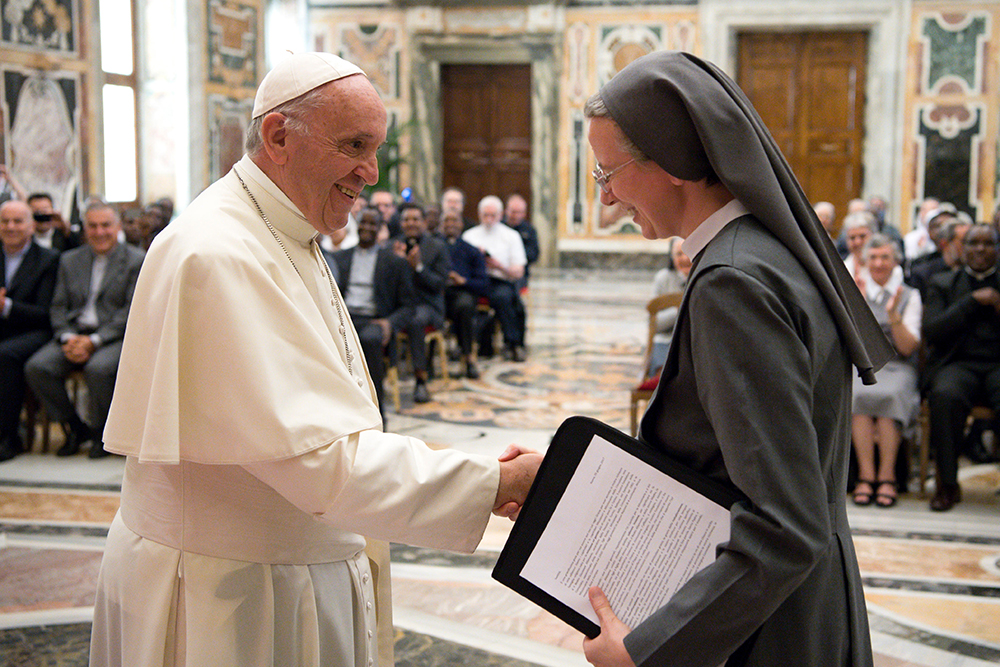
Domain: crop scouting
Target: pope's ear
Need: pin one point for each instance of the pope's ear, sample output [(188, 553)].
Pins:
[(275, 137)]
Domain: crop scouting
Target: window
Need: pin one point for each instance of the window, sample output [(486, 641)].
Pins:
[(121, 171)]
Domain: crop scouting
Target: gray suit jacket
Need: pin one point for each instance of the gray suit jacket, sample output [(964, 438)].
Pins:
[(756, 393), (114, 296)]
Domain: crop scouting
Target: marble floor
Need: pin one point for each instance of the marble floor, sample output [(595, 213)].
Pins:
[(932, 581)]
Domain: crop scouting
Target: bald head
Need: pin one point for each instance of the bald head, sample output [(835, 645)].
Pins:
[(16, 226)]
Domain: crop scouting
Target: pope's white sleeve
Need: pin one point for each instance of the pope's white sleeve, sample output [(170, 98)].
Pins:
[(391, 487)]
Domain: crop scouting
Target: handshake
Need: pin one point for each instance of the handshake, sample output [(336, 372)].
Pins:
[(517, 472)]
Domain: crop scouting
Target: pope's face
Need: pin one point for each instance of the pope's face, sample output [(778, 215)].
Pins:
[(644, 189), (329, 165)]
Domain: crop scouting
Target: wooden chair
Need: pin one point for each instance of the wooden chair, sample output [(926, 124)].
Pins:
[(643, 391), (977, 412), (35, 415), (433, 336)]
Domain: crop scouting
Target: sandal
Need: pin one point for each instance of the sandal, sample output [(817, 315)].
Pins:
[(886, 499), (862, 497)]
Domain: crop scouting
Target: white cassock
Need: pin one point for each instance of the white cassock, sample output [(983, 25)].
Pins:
[(256, 460)]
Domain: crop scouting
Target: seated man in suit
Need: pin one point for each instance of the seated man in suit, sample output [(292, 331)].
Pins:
[(29, 277), (467, 281), (950, 240), (429, 263), (378, 290), (93, 293), (962, 328)]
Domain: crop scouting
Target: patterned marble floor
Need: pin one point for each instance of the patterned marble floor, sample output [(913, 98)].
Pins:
[(932, 581)]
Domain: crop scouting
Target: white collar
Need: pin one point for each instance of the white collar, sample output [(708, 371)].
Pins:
[(269, 195), (872, 288), (711, 226), (980, 276)]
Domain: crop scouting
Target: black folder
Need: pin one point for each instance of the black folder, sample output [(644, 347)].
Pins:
[(559, 465)]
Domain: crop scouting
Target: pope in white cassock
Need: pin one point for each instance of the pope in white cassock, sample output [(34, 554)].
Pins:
[(255, 457)]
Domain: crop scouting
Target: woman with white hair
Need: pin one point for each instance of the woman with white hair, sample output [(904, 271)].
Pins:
[(882, 410)]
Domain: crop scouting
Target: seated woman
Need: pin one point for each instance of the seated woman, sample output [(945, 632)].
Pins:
[(881, 410)]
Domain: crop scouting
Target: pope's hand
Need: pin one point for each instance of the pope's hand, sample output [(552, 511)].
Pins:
[(518, 467), (608, 648)]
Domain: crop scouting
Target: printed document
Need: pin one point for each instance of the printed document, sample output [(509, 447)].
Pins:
[(629, 528)]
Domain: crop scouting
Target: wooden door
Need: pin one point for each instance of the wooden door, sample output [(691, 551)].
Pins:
[(809, 88), (487, 131)]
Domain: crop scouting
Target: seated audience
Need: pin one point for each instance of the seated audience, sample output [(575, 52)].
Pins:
[(881, 411), (385, 202), (961, 325), (453, 201), (505, 261), (378, 290), (877, 207), (516, 217), (858, 228), (668, 280), (28, 280), (429, 265), (827, 214), (853, 206), (949, 236), (432, 217), (467, 281), (918, 242), (51, 229), (90, 306)]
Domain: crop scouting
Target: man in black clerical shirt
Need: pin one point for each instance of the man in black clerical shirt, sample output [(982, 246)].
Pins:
[(962, 328)]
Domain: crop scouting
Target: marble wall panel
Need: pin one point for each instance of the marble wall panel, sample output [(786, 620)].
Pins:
[(597, 45), (50, 26), (952, 107), (227, 122)]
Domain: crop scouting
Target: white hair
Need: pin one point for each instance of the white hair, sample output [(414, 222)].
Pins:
[(490, 200)]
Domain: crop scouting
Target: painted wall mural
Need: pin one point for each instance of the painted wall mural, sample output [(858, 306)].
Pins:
[(49, 25), (41, 123), (376, 50), (232, 43)]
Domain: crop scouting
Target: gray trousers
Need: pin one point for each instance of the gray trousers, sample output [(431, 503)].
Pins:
[(46, 373)]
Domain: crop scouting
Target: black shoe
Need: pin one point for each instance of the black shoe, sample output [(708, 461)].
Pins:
[(10, 448), (946, 497), (471, 371), (74, 438), (420, 394), (520, 354), (97, 450)]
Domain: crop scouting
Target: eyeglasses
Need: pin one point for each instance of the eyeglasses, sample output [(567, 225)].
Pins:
[(602, 178)]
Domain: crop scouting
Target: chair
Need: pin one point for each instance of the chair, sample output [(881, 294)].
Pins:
[(643, 391), (432, 335), (35, 414), (977, 412)]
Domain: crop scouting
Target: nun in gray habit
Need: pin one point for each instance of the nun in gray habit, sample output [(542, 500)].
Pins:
[(756, 390)]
